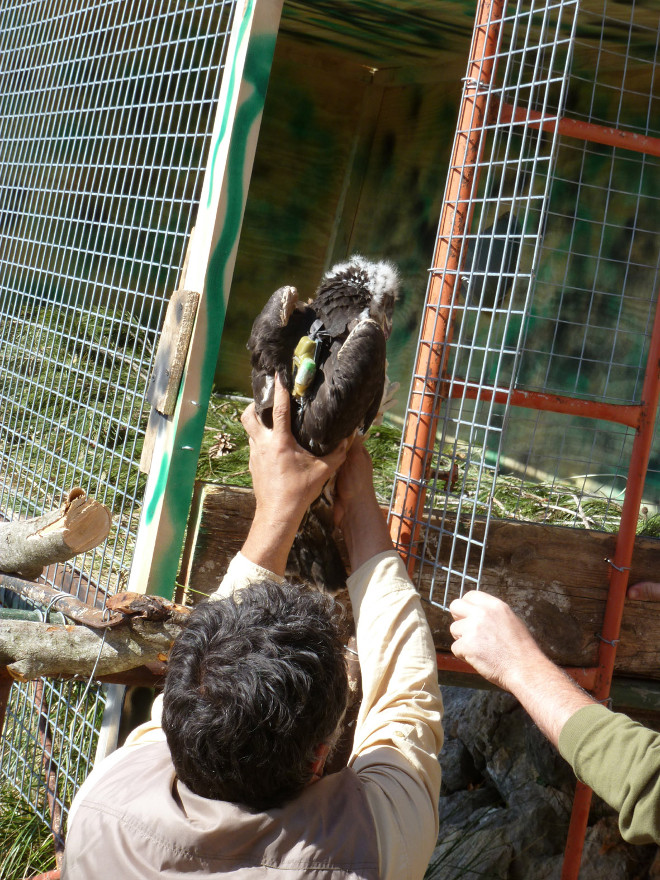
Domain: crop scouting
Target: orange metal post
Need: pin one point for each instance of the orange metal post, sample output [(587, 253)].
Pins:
[(428, 382), (585, 676), (620, 566), (461, 185)]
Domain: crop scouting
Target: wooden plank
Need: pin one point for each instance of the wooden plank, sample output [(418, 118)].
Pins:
[(338, 247), (210, 265), (360, 170), (172, 350), (306, 144), (555, 578), (384, 34), (163, 388), (401, 198)]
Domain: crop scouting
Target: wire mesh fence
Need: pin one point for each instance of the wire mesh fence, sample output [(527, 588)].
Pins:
[(106, 117), (553, 284)]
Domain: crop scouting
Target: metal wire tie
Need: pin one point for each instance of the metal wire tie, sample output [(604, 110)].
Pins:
[(613, 643), (60, 595), (618, 568), (471, 82)]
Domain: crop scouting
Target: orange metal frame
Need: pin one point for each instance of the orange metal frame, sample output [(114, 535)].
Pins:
[(430, 385), (584, 131), (461, 185)]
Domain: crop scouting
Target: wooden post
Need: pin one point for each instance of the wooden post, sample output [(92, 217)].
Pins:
[(210, 264)]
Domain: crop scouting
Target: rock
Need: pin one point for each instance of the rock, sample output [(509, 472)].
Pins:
[(459, 809), (506, 801), (654, 869), (472, 851), (458, 767), (605, 854)]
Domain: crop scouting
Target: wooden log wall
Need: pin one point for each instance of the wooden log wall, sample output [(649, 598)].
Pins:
[(554, 577)]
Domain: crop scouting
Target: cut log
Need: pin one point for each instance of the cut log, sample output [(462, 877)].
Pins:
[(28, 546), (30, 650), (556, 578)]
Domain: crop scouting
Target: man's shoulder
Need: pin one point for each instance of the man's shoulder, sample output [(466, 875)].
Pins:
[(327, 828)]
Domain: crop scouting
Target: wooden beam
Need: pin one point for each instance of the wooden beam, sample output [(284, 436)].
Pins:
[(212, 253), (555, 578), (29, 650)]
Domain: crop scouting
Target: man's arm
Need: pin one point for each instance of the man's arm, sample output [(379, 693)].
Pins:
[(492, 639), (399, 728), (286, 479), (618, 758)]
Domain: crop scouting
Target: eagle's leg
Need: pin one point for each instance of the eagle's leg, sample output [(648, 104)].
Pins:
[(315, 556)]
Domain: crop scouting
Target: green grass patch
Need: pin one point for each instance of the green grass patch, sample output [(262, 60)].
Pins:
[(224, 456), (26, 844), (224, 459)]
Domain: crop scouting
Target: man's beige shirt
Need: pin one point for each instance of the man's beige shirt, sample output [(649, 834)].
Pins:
[(399, 727)]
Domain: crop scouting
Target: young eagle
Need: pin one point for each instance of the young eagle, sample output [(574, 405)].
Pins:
[(330, 352)]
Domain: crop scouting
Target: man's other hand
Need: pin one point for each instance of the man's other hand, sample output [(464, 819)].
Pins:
[(647, 590), (491, 637)]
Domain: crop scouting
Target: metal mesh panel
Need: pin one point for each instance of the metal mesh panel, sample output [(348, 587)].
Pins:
[(555, 285), (106, 113)]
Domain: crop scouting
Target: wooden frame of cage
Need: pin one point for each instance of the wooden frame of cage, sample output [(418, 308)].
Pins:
[(174, 434), (429, 387)]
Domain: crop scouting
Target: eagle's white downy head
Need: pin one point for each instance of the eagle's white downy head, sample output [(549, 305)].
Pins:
[(380, 279)]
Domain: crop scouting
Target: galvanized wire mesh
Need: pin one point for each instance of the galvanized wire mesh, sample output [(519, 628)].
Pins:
[(106, 116), (554, 292)]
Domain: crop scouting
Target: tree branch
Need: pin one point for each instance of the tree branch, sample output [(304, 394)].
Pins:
[(30, 649), (27, 546)]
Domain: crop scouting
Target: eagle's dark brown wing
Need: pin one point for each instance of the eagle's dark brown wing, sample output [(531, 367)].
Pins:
[(349, 390), (275, 334)]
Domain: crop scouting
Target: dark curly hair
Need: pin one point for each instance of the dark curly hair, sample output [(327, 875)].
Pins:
[(254, 684)]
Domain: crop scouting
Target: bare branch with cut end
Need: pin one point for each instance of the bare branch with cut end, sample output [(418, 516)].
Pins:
[(30, 650), (28, 546)]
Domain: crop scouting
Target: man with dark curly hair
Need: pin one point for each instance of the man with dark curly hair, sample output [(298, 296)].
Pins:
[(256, 684), (230, 782)]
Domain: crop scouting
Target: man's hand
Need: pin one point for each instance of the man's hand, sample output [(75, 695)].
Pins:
[(357, 511), (286, 479), (647, 590), (492, 639)]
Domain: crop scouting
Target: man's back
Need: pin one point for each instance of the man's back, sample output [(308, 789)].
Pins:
[(140, 821)]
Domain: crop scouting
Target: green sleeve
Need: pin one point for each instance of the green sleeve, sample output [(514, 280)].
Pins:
[(620, 760)]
